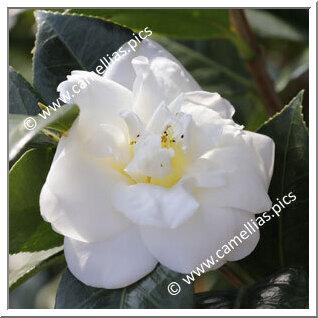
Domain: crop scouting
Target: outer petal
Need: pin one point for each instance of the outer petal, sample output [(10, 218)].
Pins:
[(100, 101), (246, 174), (186, 247), (115, 263), (76, 197), (148, 204), (211, 101), (122, 70), (100, 141), (265, 149)]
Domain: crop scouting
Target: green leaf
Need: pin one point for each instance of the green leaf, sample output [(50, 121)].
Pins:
[(23, 100), (22, 97), (287, 289), (69, 42), (267, 25), (284, 240), (149, 292), (28, 232), (177, 23), (39, 140), (298, 67), (36, 262), (60, 120)]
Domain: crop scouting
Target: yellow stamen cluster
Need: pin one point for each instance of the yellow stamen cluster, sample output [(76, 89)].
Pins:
[(178, 162), (167, 140)]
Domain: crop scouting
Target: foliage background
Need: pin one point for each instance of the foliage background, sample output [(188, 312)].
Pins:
[(283, 36)]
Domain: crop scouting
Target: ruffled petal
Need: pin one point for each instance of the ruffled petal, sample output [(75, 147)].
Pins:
[(186, 247), (115, 263), (211, 101), (122, 71), (247, 183), (209, 112), (160, 79), (152, 205)]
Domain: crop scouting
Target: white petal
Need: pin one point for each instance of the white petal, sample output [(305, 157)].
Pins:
[(159, 119), (158, 80), (212, 101), (100, 141), (122, 70), (134, 124), (150, 159), (76, 200), (116, 263), (210, 115), (204, 130), (207, 175), (100, 101), (152, 205), (265, 148), (246, 186), (186, 247)]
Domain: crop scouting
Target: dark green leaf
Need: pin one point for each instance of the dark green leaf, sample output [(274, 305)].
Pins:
[(285, 240), (287, 289), (22, 98), (149, 292), (23, 101), (60, 120), (36, 262), (68, 42), (28, 232), (178, 23)]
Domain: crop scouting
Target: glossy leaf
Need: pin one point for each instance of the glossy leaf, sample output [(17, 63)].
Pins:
[(68, 42), (23, 101), (177, 23), (285, 239), (28, 232), (22, 98), (287, 289), (149, 292), (60, 120), (36, 262)]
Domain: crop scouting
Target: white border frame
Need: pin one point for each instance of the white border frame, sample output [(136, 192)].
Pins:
[(312, 164)]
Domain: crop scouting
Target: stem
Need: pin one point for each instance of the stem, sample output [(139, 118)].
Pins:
[(256, 63), (231, 276)]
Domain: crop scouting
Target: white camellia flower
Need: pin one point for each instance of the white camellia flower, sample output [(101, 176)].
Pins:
[(153, 170)]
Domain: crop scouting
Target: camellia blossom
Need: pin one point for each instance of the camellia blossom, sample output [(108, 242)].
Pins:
[(153, 170)]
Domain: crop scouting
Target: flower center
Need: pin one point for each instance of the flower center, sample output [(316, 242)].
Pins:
[(158, 149), (177, 163)]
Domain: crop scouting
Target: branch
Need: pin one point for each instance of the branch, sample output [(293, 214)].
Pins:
[(231, 276), (256, 63)]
